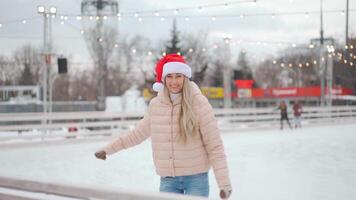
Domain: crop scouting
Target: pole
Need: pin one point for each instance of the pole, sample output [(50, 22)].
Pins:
[(45, 49), (347, 32), (50, 61), (227, 78), (321, 58), (329, 79), (101, 92)]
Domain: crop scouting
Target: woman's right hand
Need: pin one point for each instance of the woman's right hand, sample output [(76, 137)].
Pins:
[(100, 155)]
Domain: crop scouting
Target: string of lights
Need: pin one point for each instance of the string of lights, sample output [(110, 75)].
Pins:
[(200, 8), (120, 17), (332, 53)]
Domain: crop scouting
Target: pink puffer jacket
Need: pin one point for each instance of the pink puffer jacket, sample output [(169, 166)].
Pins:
[(170, 157)]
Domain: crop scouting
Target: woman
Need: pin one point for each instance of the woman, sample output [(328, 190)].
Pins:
[(284, 113), (184, 133)]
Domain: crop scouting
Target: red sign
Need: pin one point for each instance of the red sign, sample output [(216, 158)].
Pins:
[(244, 83), (296, 92)]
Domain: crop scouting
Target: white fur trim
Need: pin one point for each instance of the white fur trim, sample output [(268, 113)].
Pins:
[(176, 67), (157, 86)]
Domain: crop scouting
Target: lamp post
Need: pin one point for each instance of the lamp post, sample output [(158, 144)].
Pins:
[(227, 73), (47, 52)]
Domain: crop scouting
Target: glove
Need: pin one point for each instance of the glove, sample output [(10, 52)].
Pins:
[(100, 155), (225, 192)]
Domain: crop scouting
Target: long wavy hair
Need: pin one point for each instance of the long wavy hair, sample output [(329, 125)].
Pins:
[(187, 119)]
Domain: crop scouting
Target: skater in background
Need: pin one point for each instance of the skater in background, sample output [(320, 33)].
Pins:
[(297, 110), (284, 113), (184, 134)]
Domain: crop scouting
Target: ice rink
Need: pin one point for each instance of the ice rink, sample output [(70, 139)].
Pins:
[(313, 163)]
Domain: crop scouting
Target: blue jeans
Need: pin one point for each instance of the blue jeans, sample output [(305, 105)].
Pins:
[(196, 185)]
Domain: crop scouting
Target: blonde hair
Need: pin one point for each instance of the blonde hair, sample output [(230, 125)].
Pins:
[(187, 119)]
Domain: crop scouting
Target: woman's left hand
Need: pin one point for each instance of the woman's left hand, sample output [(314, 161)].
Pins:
[(225, 193)]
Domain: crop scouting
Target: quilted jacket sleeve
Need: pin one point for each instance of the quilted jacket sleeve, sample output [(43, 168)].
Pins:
[(212, 140), (134, 137)]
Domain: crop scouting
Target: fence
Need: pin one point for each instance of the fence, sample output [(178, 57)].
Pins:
[(74, 124), (36, 190)]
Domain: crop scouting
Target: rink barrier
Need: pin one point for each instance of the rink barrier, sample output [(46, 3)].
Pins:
[(57, 124), (80, 191)]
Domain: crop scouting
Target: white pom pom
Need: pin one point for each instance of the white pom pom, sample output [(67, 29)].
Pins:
[(157, 86)]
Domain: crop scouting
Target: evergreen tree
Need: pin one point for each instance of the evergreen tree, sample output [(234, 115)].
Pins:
[(173, 44), (26, 76), (243, 66), (216, 79)]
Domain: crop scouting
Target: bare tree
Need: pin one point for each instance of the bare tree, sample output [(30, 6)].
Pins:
[(101, 44), (82, 87), (28, 56), (61, 87), (7, 71), (197, 55), (294, 67), (131, 65)]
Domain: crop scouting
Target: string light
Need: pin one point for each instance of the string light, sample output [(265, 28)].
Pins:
[(157, 12)]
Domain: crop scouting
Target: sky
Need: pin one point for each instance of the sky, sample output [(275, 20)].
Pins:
[(252, 33)]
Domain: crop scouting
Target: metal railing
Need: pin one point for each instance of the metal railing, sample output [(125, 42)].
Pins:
[(84, 124), (35, 189)]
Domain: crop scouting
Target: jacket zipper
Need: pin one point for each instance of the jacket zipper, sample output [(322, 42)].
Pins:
[(172, 156)]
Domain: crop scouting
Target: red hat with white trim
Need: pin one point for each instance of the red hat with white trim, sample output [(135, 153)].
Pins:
[(171, 63)]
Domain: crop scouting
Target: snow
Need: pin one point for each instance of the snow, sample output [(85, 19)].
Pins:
[(311, 163)]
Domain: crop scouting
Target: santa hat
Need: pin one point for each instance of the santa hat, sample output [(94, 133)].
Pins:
[(171, 63)]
